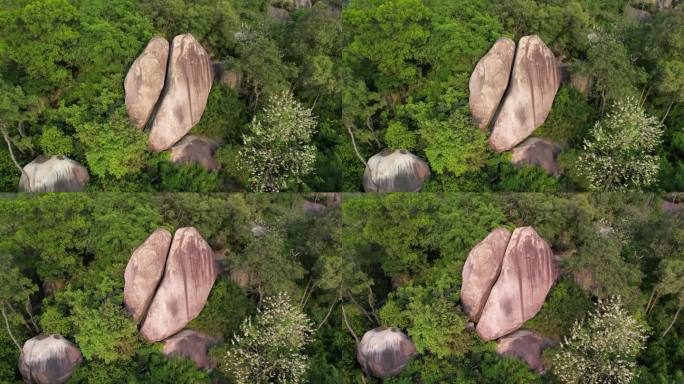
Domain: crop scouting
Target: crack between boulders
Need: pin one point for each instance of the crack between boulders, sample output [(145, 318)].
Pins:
[(499, 107), (165, 89), (159, 283)]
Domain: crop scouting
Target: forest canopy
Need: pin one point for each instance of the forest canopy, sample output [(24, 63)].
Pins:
[(372, 75), (323, 272)]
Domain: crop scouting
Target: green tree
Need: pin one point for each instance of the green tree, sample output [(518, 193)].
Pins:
[(277, 150), (269, 347), (602, 349), (620, 152)]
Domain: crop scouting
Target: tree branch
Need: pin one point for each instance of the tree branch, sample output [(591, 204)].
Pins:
[(327, 315), (672, 323), (9, 330), (344, 316)]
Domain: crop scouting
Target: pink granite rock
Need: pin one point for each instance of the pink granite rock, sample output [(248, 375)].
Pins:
[(481, 270), (489, 82), (384, 352), (534, 82), (527, 274), (145, 81), (190, 344), (189, 81), (539, 152), (188, 278), (48, 359), (144, 271), (53, 174), (195, 150), (524, 345), (395, 171)]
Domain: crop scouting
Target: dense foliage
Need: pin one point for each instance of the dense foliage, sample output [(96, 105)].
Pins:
[(298, 288), (375, 74)]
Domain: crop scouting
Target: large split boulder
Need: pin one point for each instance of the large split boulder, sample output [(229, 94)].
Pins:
[(395, 171), (189, 344), (145, 81), (144, 271), (384, 352), (481, 270), (489, 82), (527, 274), (53, 174), (189, 81), (539, 152), (195, 150), (48, 359), (524, 345), (189, 275), (533, 85)]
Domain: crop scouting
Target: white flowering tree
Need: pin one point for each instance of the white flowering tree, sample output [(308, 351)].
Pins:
[(277, 152), (620, 152), (269, 348), (601, 349)]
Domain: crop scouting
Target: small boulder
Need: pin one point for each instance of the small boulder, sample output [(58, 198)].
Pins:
[(53, 174), (145, 81), (188, 278), (527, 274), (144, 271), (539, 152), (384, 352), (48, 359), (489, 81), (534, 82), (189, 80), (524, 345), (195, 150), (481, 270), (395, 171), (189, 344)]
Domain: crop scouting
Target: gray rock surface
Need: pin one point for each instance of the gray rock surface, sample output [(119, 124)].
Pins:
[(524, 345), (395, 171), (145, 81), (48, 359), (189, 80), (481, 270), (53, 174), (489, 82), (189, 275), (384, 352), (539, 152), (189, 344), (144, 271), (534, 82), (527, 274), (195, 150)]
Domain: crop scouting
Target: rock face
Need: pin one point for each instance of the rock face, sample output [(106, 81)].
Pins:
[(48, 359), (540, 152), (527, 274), (524, 345), (489, 81), (481, 270), (189, 81), (534, 82), (190, 344), (384, 352), (395, 171), (188, 277), (144, 271), (145, 81), (195, 150), (53, 174)]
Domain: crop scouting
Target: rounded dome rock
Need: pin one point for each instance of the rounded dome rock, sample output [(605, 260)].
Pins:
[(395, 171), (48, 359), (53, 174), (384, 351)]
